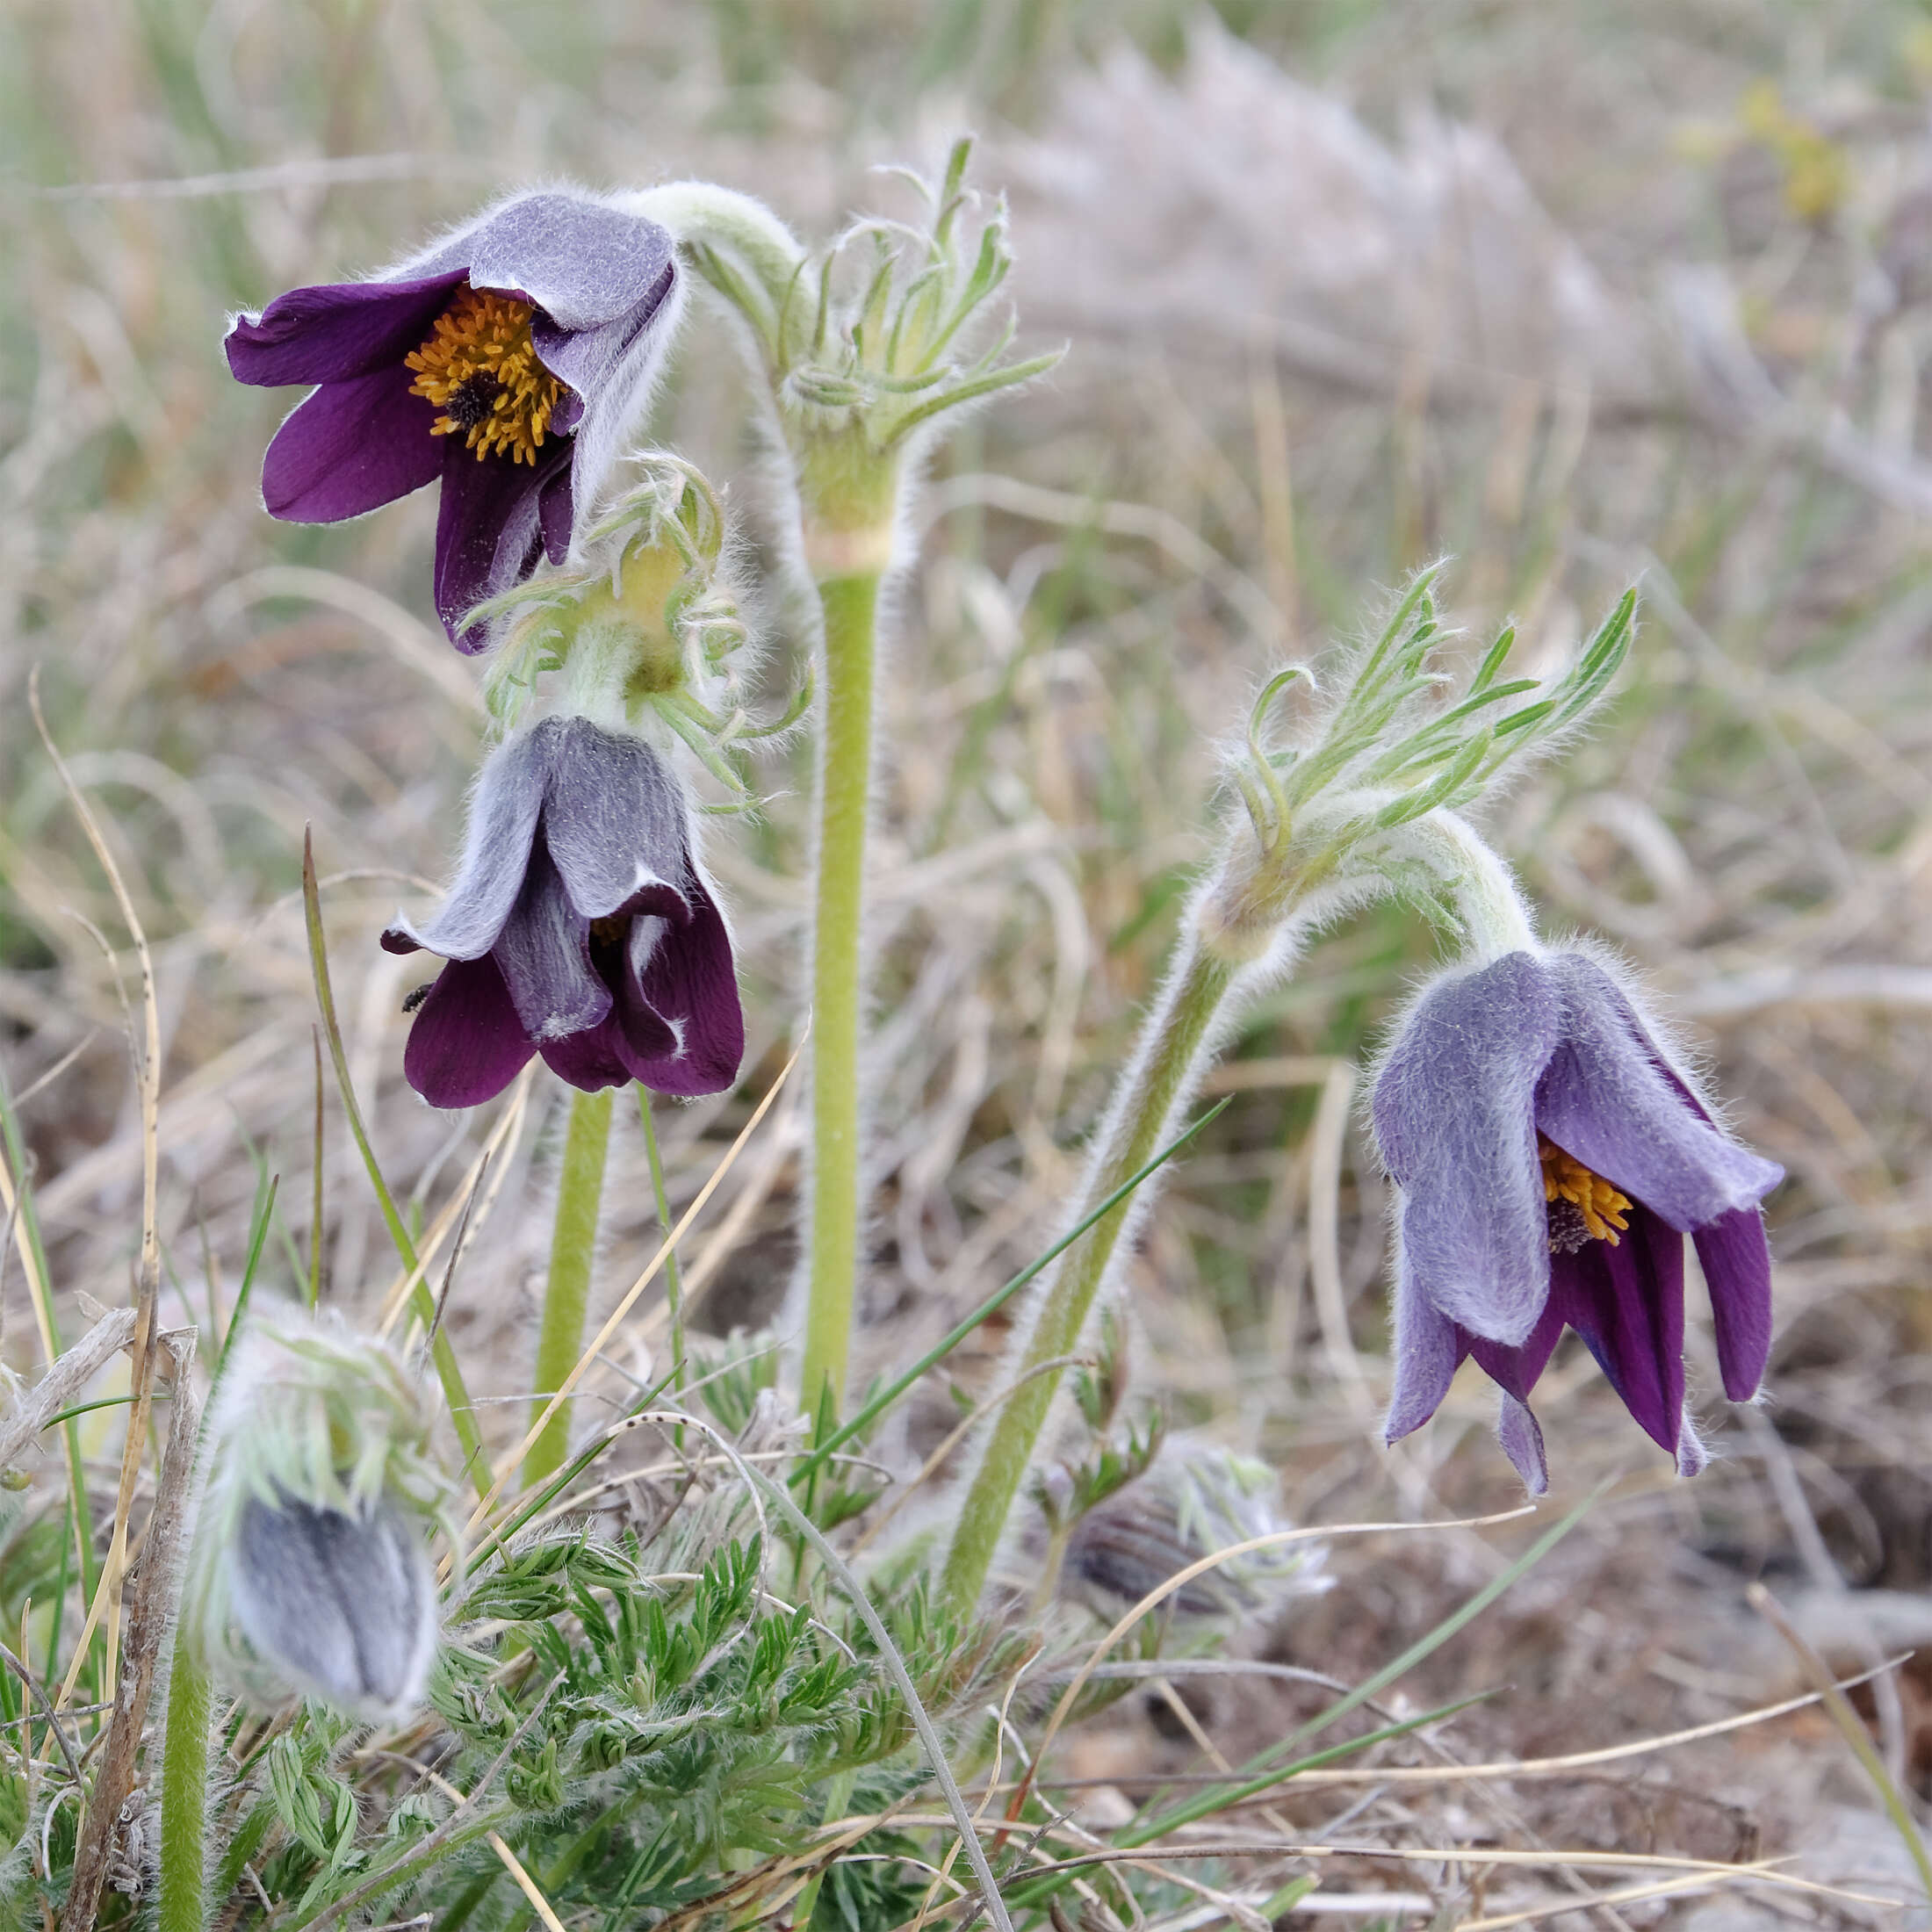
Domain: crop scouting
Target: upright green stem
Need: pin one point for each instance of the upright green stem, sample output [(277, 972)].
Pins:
[(851, 609), (1155, 1084), (572, 1244), (184, 1794), (673, 1284)]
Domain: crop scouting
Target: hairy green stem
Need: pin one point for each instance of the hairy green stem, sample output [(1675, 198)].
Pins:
[(572, 1244), (673, 1284), (851, 609), (183, 1905), (1157, 1084)]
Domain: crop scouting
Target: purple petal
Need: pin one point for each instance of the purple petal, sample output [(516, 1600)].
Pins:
[(544, 954), (582, 263), (616, 826), (1522, 1441), (1604, 1100), (488, 535), (336, 330), (1516, 1370), (349, 447), (688, 980), (1627, 1304), (648, 1036), (1453, 1116), (496, 851), (1736, 1260), (466, 1044), (1427, 1350), (556, 504), (591, 1059)]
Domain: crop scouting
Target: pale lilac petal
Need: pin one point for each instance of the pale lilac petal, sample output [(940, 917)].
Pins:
[(1693, 1458), (1426, 1350), (688, 980), (496, 850), (1627, 1304), (336, 330), (544, 954), (466, 1044), (583, 263), (349, 449), (1736, 1260), (1453, 1115), (615, 824), (489, 537), (588, 358), (1604, 1099), (1522, 1441)]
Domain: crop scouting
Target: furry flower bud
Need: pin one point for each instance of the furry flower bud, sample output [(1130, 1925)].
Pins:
[(1192, 1502), (310, 1575)]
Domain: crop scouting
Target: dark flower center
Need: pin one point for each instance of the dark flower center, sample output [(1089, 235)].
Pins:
[(1583, 1206), (480, 368), (471, 401)]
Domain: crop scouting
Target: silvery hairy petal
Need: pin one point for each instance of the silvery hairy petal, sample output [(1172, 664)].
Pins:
[(340, 1604), (1550, 1156)]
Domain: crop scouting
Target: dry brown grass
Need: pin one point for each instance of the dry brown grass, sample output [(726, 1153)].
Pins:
[(1257, 369)]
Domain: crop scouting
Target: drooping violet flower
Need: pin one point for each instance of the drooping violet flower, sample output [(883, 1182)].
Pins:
[(580, 927), (509, 359), (1550, 1160)]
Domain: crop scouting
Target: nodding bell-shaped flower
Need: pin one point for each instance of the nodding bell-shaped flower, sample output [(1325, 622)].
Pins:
[(510, 359), (1550, 1158), (580, 927), (311, 1572)]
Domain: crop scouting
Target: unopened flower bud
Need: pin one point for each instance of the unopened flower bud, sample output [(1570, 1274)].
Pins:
[(1192, 1502), (311, 1572), (343, 1601)]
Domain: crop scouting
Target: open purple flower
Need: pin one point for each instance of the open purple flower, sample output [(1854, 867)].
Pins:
[(580, 927), (1550, 1160), (509, 359)]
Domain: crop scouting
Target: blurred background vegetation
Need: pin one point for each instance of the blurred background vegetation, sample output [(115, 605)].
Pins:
[(1579, 293)]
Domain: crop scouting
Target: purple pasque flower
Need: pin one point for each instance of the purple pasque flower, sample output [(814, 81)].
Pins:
[(1550, 1160), (580, 927), (509, 359)]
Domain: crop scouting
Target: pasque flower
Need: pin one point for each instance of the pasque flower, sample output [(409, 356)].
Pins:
[(580, 927), (509, 359), (310, 1573), (1551, 1158)]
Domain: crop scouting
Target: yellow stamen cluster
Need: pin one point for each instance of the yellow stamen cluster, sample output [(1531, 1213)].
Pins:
[(1603, 1212), (479, 367)]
